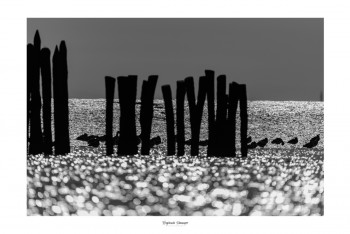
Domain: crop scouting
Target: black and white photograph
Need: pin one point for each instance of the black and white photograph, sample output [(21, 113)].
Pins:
[(175, 117), (179, 116)]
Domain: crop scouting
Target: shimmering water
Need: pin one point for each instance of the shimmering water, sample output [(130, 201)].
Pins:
[(276, 180)]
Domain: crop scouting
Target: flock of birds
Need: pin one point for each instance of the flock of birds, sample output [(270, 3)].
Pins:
[(278, 141), (94, 141)]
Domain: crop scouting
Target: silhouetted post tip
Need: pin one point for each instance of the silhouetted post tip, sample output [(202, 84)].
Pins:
[(45, 51), (55, 53), (37, 40), (63, 47), (209, 72), (109, 79)]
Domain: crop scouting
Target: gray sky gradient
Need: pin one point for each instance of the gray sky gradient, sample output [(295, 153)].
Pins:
[(278, 59)]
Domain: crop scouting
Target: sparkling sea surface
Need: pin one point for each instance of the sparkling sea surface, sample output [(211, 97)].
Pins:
[(274, 180)]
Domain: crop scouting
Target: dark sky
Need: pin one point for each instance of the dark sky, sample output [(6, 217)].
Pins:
[(278, 59)]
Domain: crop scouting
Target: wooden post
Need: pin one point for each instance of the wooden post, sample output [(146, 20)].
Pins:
[(45, 65), (29, 89), (191, 98), (110, 86), (232, 110), (65, 107), (168, 102), (35, 146), (221, 113), (127, 89), (60, 93), (196, 110), (211, 111), (244, 119), (57, 102), (180, 124), (30, 49), (146, 112)]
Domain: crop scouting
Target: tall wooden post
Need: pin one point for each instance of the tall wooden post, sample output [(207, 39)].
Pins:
[(146, 112), (30, 49), (35, 144), (65, 107), (57, 97), (234, 93), (110, 86), (45, 65), (191, 98), (244, 119), (168, 102), (211, 110), (127, 89), (196, 110), (60, 93), (180, 124), (221, 113)]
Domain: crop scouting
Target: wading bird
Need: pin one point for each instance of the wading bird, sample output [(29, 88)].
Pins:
[(278, 141), (313, 142), (263, 142), (252, 145), (293, 141)]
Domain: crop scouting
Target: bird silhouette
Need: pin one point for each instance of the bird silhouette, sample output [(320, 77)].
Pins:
[(94, 142), (313, 142), (102, 138), (315, 139), (263, 142), (83, 137), (249, 139), (277, 141), (293, 141), (252, 145)]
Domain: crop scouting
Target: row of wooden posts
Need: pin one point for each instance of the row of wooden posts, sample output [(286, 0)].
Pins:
[(39, 65), (221, 126)]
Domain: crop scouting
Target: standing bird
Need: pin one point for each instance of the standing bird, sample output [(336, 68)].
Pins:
[(83, 137), (277, 141), (252, 145), (94, 142), (102, 138), (313, 142), (293, 141), (315, 139), (263, 142)]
